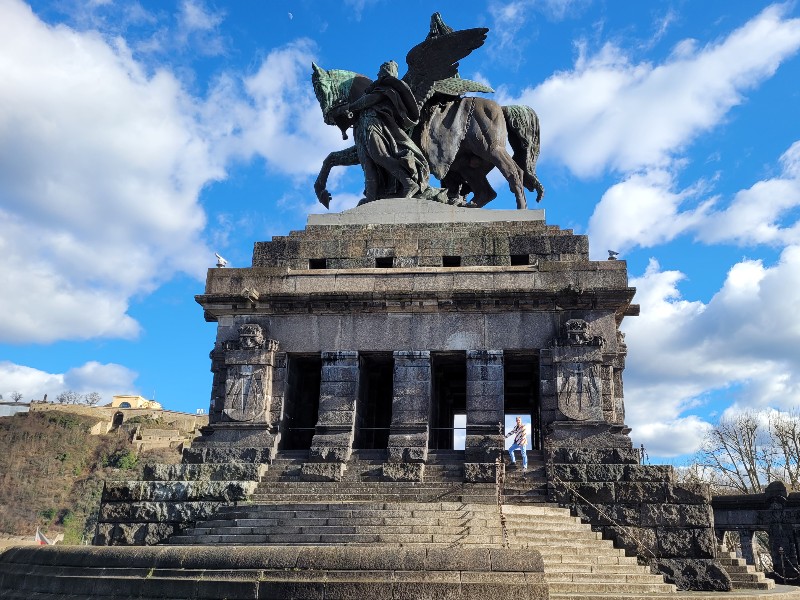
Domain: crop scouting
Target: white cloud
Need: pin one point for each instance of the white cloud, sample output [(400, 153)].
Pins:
[(100, 171), (645, 210), (744, 340), (357, 7), (757, 215), (508, 19), (102, 165), (200, 26), (106, 379), (512, 29), (642, 210), (672, 437), (610, 112), (285, 124)]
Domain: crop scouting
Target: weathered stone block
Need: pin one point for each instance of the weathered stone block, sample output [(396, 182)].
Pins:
[(677, 515), (133, 534), (688, 493), (479, 472), (605, 472), (569, 473), (580, 455), (638, 492), (693, 574), (337, 418), (157, 512), (596, 493), (331, 454), (637, 540), (482, 447), (199, 454), (649, 473), (177, 491), (209, 472), (407, 447), (402, 471), (485, 417), (327, 471)]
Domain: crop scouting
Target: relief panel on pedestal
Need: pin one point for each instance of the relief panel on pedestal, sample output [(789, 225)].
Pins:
[(249, 363), (578, 366)]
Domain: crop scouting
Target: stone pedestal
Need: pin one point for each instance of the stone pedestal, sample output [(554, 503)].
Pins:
[(242, 427)]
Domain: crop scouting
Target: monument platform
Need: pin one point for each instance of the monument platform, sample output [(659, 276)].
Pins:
[(363, 370)]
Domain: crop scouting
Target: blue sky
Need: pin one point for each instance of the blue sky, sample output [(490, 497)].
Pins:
[(136, 139)]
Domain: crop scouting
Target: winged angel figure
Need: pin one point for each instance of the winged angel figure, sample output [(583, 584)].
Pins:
[(406, 129)]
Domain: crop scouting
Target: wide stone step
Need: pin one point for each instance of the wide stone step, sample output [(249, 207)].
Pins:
[(339, 539), (361, 521), (739, 568), (343, 485), (554, 560), (583, 588), (272, 573), (365, 497), (624, 569), (396, 526), (763, 584), (359, 509), (457, 530), (604, 577)]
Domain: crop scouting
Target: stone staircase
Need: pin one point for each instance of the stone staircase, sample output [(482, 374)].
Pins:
[(362, 481), (577, 562), (743, 576)]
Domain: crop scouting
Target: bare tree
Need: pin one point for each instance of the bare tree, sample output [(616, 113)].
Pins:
[(740, 453), (92, 398), (785, 436), (16, 396), (68, 397)]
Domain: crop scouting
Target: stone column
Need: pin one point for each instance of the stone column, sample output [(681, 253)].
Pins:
[(746, 540), (484, 413), (332, 444), (411, 408)]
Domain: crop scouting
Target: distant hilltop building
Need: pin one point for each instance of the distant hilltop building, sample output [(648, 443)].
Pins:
[(11, 408), (128, 401), (182, 427)]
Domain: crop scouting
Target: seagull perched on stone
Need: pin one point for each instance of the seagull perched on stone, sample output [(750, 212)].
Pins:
[(221, 262), (612, 255)]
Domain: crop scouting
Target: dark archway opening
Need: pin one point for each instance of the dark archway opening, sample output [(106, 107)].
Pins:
[(449, 398), (301, 402), (374, 404)]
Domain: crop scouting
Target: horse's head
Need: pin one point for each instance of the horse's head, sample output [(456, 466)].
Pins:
[(335, 87)]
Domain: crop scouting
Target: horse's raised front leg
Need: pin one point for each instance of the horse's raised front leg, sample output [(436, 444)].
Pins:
[(340, 158)]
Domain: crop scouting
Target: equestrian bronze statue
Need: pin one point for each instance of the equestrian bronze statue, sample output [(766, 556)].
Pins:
[(406, 129)]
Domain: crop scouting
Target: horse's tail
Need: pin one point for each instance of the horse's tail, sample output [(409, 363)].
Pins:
[(523, 135)]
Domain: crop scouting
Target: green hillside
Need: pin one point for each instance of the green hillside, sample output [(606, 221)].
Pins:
[(52, 472)]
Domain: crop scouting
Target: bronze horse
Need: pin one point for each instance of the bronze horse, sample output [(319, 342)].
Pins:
[(463, 139)]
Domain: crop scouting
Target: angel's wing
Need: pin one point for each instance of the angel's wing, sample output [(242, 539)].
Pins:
[(436, 59)]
